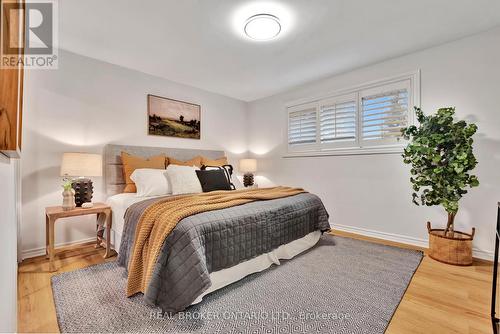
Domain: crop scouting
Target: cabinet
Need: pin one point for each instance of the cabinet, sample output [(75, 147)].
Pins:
[(11, 80)]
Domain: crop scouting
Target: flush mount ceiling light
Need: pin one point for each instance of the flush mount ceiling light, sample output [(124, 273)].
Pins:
[(262, 27)]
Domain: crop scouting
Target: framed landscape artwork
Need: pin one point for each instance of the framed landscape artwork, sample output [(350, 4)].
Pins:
[(172, 118)]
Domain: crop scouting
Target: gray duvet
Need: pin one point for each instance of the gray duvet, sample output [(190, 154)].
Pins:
[(215, 240)]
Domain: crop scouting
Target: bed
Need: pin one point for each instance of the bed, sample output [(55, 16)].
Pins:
[(209, 250)]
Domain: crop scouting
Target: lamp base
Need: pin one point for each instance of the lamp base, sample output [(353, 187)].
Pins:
[(248, 179), (83, 190)]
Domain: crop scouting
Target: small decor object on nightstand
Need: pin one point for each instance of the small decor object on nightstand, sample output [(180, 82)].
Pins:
[(248, 167), (80, 166), (68, 196)]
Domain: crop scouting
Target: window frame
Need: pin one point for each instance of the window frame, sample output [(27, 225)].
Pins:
[(358, 147)]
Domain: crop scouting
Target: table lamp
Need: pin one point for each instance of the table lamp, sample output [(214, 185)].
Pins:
[(79, 166), (248, 167)]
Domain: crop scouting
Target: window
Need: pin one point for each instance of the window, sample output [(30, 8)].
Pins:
[(337, 121), (367, 118), (384, 112), (302, 125)]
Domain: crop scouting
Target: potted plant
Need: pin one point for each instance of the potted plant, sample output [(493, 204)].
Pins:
[(441, 158)]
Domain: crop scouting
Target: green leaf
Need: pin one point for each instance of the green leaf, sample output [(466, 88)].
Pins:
[(441, 157)]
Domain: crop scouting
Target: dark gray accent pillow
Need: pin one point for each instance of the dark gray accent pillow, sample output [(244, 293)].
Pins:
[(213, 180), (228, 169)]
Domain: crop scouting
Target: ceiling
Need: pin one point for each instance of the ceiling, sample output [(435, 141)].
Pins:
[(200, 42)]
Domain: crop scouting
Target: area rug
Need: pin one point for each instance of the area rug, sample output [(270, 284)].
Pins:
[(341, 285)]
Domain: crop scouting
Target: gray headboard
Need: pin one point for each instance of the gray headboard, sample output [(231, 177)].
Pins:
[(113, 167)]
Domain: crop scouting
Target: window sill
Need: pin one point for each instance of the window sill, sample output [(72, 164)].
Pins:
[(346, 151)]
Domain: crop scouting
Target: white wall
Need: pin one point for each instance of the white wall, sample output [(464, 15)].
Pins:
[(371, 193), (86, 104), (8, 246)]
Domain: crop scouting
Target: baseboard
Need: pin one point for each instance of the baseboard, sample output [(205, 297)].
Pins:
[(29, 253), (424, 243), (482, 254), (477, 253)]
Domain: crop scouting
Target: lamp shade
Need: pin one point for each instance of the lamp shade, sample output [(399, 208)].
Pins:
[(81, 164), (248, 165)]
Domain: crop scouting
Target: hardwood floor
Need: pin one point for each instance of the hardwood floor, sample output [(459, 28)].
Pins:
[(440, 299), (35, 305)]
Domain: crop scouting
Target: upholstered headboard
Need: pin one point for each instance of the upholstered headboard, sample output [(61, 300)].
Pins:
[(113, 167)]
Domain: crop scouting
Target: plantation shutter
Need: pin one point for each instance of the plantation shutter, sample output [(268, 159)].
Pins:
[(365, 119), (337, 118), (384, 112), (303, 125)]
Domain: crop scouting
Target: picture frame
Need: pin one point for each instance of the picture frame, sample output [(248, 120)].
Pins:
[(173, 118)]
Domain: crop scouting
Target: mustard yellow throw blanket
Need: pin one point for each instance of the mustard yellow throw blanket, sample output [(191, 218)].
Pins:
[(159, 219)]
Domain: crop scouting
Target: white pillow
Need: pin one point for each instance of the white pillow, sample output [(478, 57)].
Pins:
[(150, 182), (183, 180)]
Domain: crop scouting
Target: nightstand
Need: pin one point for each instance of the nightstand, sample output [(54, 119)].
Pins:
[(53, 213)]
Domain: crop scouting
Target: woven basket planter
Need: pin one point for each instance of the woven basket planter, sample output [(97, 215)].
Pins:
[(455, 250)]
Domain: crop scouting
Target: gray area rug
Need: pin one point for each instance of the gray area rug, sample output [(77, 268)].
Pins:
[(341, 285)]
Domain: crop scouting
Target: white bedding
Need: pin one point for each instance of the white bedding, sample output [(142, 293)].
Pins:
[(119, 204)]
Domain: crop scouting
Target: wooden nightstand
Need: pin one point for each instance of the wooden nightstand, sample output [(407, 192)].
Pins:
[(53, 213)]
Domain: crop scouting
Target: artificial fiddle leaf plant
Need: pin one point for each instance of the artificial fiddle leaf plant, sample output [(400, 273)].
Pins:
[(441, 158), (67, 185)]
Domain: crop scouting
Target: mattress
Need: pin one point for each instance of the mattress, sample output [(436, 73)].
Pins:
[(119, 204)]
